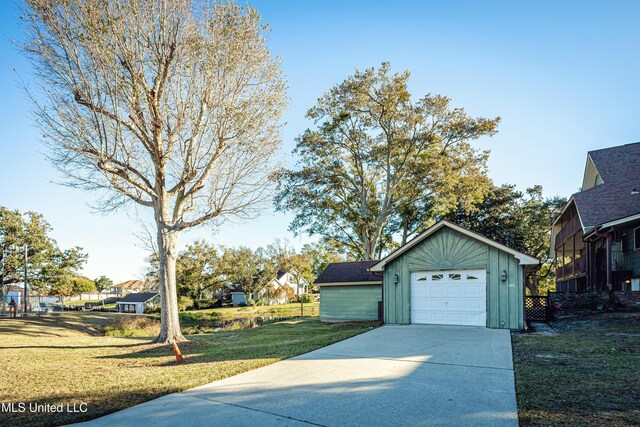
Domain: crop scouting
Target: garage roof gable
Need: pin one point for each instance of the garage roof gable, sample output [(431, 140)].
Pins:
[(522, 258)]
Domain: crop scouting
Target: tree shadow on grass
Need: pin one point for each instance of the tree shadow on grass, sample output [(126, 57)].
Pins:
[(74, 347), (272, 341), (357, 397), (55, 324)]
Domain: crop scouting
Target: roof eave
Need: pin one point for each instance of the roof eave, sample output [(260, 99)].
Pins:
[(354, 283), (621, 220)]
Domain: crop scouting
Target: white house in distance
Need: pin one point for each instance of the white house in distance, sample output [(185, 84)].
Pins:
[(128, 287), (138, 302), (287, 280)]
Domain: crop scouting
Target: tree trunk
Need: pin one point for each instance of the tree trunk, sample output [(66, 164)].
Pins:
[(531, 280), (405, 232), (169, 320), (369, 249)]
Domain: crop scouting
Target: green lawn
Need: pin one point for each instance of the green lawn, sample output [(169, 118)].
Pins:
[(81, 302), (66, 359), (281, 310), (586, 375), (210, 320)]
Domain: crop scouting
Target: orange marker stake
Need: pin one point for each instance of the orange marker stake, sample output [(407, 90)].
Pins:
[(176, 352)]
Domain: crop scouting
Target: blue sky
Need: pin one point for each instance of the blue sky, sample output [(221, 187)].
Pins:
[(564, 77)]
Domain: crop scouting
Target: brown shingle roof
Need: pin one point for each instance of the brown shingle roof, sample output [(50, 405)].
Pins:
[(614, 198), (129, 284), (340, 272)]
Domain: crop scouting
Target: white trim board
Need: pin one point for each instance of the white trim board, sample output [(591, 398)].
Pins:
[(349, 283)]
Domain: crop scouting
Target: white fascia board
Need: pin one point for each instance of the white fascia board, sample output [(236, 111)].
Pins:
[(349, 283), (621, 221)]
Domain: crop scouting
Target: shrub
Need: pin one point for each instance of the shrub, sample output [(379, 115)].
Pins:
[(290, 294), (306, 298), (132, 326), (184, 303), (201, 304)]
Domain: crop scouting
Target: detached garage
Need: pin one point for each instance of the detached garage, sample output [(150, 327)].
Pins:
[(447, 275), (349, 291)]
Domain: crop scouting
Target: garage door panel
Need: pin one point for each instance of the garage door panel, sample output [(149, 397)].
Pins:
[(455, 291), (449, 297), (434, 290), (454, 304), (474, 291), (435, 303), (474, 305)]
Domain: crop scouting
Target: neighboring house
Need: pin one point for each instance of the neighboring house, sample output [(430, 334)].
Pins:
[(238, 295), (128, 287), (596, 238), (138, 302), (290, 286), (447, 275)]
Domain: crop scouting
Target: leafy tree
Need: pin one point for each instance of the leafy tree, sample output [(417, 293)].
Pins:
[(272, 292), (174, 106), (62, 285), (251, 270), (103, 283), (152, 270), (18, 230), (61, 274), (519, 220), (196, 270), (321, 255), (83, 285), (378, 163), (288, 260), (46, 263)]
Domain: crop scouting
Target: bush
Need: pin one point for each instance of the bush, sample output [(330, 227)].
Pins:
[(201, 304), (184, 303), (306, 298), (132, 326), (291, 296)]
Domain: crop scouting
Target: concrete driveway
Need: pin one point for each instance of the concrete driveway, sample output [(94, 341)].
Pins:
[(391, 376)]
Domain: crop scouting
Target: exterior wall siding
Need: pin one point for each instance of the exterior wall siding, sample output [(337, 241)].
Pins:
[(632, 257), (357, 302), (449, 250)]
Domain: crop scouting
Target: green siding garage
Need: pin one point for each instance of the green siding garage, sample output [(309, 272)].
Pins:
[(344, 302), (349, 291), (447, 275), (452, 276)]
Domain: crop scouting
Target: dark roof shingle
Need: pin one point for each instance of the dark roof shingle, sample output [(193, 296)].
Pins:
[(340, 272), (615, 197), (138, 297)]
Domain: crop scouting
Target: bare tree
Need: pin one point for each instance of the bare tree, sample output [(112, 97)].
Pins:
[(171, 104)]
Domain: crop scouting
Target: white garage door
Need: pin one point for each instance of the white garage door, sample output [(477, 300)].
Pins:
[(449, 297)]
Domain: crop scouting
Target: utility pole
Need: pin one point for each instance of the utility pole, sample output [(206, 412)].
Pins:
[(4, 298), (25, 278)]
